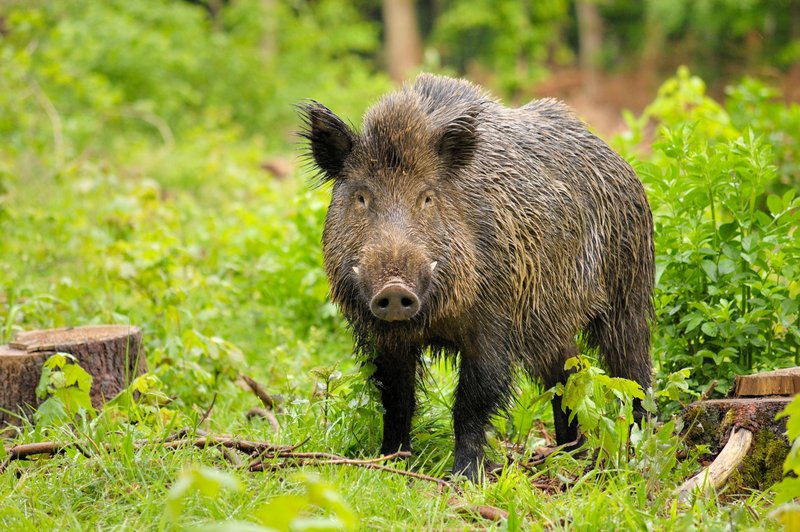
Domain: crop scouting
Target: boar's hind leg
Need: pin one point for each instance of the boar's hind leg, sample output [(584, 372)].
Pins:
[(623, 337), (395, 376), (566, 432), (483, 386)]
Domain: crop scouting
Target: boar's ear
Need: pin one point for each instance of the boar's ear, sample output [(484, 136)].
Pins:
[(330, 140), (458, 141)]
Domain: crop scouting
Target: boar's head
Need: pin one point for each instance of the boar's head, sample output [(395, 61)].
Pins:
[(399, 238)]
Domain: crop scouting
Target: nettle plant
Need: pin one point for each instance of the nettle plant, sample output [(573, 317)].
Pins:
[(727, 268)]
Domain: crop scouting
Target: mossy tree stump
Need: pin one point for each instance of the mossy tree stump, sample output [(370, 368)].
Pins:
[(741, 431), (111, 354)]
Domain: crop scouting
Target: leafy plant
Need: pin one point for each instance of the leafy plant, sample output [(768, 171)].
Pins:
[(727, 250), (603, 406), (142, 404), (726, 271), (65, 385), (787, 491)]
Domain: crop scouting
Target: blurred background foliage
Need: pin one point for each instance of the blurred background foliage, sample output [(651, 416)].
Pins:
[(147, 168)]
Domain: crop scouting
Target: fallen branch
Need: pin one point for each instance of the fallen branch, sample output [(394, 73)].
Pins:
[(716, 474), (251, 448), (292, 459), (245, 446)]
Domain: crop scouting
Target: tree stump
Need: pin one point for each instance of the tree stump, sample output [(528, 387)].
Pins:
[(112, 354), (785, 382), (749, 444)]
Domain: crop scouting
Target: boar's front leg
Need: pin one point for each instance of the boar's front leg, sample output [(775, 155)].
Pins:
[(483, 386), (395, 376)]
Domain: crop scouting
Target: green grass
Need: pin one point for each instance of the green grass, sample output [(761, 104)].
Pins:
[(226, 251)]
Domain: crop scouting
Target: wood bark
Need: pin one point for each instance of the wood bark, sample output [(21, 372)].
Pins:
[(590, 44), (653, 50), (724, 465), (403, 42), (112, 354)]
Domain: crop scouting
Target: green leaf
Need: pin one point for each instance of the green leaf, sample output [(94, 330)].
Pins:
[(209, 482), (710, 268), (786, 490), (726, 266), (50, 411), (281, 511), (57, 360), (774, 204), (44, 382), (792, 410), (710, 328), (74, 374)]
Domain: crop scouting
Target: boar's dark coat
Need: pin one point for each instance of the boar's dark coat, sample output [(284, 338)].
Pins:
[(490, 233)]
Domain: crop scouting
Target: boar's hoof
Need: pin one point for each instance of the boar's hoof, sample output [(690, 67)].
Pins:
[(394, 302), (471, 470)]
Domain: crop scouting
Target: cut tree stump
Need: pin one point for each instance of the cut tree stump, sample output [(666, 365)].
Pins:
[(749, 444), (111, 354), (785, 382)]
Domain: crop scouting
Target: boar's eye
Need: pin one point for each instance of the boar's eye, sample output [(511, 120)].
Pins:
[(426, 199)]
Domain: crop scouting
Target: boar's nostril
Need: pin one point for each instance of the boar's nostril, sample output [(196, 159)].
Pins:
[(394, 302)]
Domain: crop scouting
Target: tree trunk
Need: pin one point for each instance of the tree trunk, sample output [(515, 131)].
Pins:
[(111, 354), (403, 46), (652, 50), (590, 43)]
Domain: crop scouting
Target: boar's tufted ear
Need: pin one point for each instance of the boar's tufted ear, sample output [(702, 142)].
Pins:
[(458, 141), (330, 140)]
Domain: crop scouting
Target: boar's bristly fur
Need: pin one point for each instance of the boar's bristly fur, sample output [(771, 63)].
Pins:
[(492, 234)]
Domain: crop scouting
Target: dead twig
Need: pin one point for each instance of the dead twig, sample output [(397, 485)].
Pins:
[(485, 511), (260, 392), (244, 446), (266, 399), (260, 457), (292, 459), (708, 391), (208, 410)]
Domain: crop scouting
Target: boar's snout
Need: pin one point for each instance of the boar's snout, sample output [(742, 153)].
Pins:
[(394, 302)]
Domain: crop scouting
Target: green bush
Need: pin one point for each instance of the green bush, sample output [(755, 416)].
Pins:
[(727, 252)]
